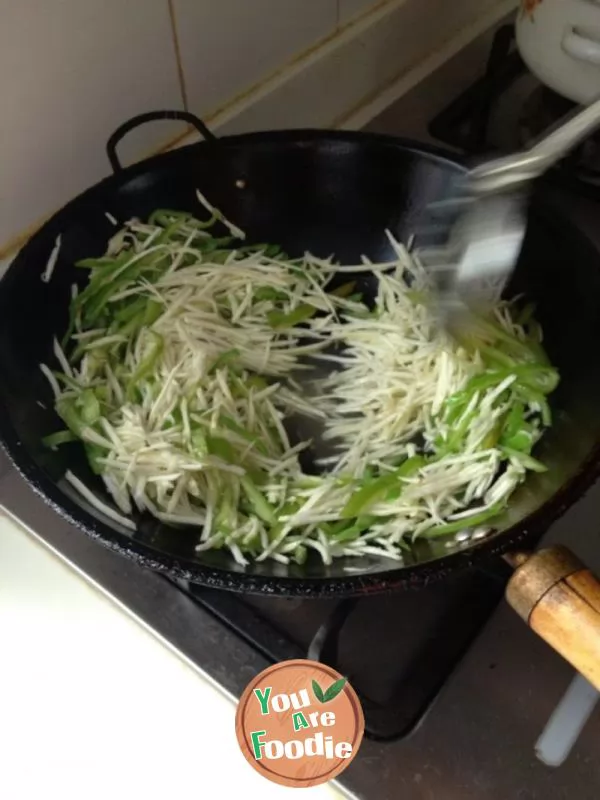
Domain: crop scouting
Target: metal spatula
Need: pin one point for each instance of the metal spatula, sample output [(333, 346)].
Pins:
[(486, 220)]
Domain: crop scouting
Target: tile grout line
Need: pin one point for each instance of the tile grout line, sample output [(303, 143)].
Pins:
[(180, 72), (323, 48), (391, 90)]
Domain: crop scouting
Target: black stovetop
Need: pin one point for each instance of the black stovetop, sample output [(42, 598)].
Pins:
[(396, 650)]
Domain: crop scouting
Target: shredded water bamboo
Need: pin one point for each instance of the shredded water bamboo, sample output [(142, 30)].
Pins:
[(189, 353)]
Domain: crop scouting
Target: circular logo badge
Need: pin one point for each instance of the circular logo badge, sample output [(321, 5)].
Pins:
[(299, 723)]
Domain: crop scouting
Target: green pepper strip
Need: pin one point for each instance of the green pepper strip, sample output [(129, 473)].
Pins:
[(214, 244), (522, 440), (418, 298), (96, 305), (495, 357), (58, 438), (286, 510), (518, 434), (69, 382), (226, 516), (147, 365), (217, 446), (407, 470), (162, 217), (525, 314), (130, 310), (249, 436), (345, 290), (530, 396), (490, 331), (260, 505), (525, 460), (100, 276), (95, 263), (89, 406), (269, 293), (300, 554), (277, 319), (536, 377), (464, 524), (374, 489), (224, 359), (515, 419), (199, 442), (70, 416), (93, 453), (144, 318), (268, 250), (350, 533)]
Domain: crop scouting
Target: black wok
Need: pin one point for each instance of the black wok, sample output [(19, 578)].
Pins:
[(328, 192)]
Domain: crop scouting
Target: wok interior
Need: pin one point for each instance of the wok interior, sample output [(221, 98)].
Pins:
[(323, 194)]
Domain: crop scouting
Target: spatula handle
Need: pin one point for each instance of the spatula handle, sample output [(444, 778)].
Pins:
[(507, 172), (559, 598)]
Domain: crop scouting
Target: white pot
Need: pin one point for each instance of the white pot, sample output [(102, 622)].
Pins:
[(559, 40)]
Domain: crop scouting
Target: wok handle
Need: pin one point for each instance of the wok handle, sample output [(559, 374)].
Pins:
[(559, 598), (152, 116)]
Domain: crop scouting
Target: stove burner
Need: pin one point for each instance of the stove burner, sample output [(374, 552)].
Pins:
[(541, 110), (397, 650)]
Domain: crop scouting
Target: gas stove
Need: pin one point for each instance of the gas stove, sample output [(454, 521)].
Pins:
[(508, 109), (461, 700)]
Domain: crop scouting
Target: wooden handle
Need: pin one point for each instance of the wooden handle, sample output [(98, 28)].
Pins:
[(559, 598)]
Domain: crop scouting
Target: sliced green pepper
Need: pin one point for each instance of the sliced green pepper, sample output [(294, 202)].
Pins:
[(249, 436), (226, 517), (259, 503), (65, 408), (277, 319), (269, 293), (351, 532), (162, 217), (225, 359), (147, 364), (345, 290), (376, 488), (407, 470), (89, 407), (221, 448), (464, 524), (300, 555), (527, 461), (58, 438), (530, 396), (94, 452), (199, 442)]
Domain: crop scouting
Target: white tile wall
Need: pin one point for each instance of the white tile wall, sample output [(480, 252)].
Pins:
[(73, 70), (228, 45), (333, 85), (352, 8), (70, 72)]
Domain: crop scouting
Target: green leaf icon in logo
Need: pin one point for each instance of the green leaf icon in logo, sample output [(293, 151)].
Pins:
[(318, 692), (334, 690), (329, 694)]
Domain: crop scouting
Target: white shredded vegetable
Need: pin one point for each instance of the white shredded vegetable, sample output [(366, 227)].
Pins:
[(46, 275), (200, 373)]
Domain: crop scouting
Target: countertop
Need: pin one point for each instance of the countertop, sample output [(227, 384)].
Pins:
[(94, 705)]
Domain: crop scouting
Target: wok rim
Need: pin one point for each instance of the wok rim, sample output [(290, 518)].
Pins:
[(396, 578)]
